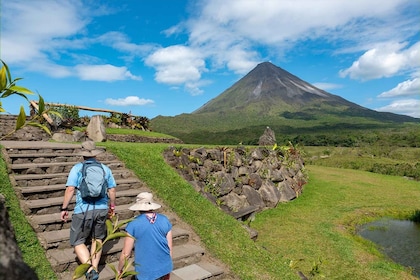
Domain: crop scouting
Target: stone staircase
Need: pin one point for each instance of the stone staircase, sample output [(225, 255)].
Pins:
[(38, 170)]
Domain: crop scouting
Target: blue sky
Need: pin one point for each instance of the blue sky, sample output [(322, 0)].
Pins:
[(168, 57)]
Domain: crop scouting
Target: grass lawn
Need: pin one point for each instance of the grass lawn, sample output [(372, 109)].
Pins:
[(319, 225)]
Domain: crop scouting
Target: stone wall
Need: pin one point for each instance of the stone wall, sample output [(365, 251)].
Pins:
[(27, 133), (30, 133), (241, 180), (141, 139)]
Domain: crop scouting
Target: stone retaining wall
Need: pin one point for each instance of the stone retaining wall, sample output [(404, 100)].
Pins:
[(237, 179), (141, 139)]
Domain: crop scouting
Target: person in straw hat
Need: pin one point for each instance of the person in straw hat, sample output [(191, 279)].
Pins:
[(88, 219), (150, 234)]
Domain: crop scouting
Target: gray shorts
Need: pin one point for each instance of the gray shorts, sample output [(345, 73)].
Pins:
[(88, 225)]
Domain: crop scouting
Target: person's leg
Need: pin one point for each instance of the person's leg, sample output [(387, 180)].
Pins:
[(82, 253), (99, 233), (78, 238), (96, 256)]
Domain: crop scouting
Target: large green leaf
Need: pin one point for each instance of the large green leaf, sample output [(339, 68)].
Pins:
[(109, 227), (9, 92), (41, 105), (80, 270), (55, 113), (124, 222), (3, 79), (20, 122), (129, 273), (9, 76), (43, 127), (113, 268), (115, 236), (21, 89)]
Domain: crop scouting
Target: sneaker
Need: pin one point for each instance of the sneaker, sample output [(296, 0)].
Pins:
[(92, 275)]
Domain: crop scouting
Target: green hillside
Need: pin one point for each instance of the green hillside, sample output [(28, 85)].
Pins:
[(293, 108)]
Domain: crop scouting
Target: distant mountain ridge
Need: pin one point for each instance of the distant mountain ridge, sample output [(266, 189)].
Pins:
[(269, 83), (270, 96)]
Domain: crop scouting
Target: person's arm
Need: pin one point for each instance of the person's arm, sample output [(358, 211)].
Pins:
[(112, 194), (126, 251), (64, 215), (169, 238), (112, 184)]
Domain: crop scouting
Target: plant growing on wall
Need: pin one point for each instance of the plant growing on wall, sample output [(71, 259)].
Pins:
[(69, 114), (9, 87)]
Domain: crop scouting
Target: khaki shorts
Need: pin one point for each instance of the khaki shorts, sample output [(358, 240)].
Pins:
[(88, 225)]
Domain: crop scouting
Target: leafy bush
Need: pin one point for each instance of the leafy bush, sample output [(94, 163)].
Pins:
[(69, 114)]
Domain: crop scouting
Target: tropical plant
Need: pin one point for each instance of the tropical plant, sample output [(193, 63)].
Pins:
[(113, 227), (70, 115), (8, 87)]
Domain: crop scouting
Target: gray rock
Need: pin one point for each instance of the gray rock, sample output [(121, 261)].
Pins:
[(287, 193), (253, 197), (96, 129), (268, 138), (270, 194)]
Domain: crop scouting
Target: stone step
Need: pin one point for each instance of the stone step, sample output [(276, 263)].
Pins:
[(52, 205), (198, 271), (60, 238), (51, 222), (186, 254), (64, 153), (122, 184), (63, 259), (22, 166), (24, 180), (182, 255), (14, 146), (120, 173)]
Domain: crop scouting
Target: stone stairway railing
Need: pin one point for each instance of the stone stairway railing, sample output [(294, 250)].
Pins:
[(38, 170)]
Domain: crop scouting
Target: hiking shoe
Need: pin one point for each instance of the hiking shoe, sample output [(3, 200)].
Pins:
[(92, 275)]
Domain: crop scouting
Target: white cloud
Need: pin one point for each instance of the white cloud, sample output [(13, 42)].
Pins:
[(38, 34), (176, 65), (106, 73), (121, 42), (385, 60), (269, 21), (223, 33), (406, 88), (30, 28), (129, 101), (409, 107)]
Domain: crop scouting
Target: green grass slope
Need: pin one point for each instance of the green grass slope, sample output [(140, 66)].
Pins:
[(318, 225), (231, 128)]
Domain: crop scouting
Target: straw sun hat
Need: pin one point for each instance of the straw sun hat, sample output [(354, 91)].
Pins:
[(89, 149), (144, 202)]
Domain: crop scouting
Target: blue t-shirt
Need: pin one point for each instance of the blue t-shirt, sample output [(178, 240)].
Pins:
[(152, 257), (74, 179)]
